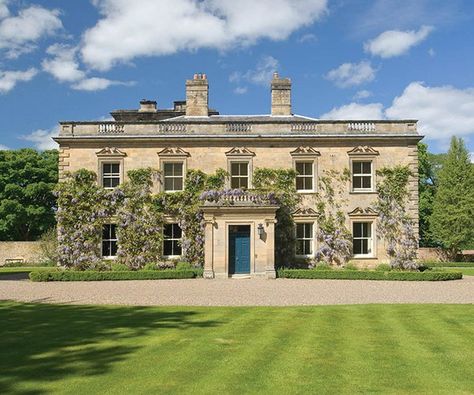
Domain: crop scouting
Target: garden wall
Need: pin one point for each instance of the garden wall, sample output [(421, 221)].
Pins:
[(21, 251)]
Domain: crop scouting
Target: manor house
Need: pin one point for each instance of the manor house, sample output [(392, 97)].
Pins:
[(240, 237)]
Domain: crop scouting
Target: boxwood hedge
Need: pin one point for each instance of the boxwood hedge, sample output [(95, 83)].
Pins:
[(368, 275), (447, 264), (89, 275)]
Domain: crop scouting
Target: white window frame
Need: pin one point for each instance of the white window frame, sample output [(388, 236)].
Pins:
[(248, 176), (172, 239), (312, 238), (371, 174), (370, 244), (312, 176), (183, 168), (110, 241), (110, 175)]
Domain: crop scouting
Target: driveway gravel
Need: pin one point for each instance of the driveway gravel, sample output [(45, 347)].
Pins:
[(239, 292)]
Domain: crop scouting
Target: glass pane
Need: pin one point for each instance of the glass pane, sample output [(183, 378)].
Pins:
[(366, 182), (300, 167), (178, 169), (244, 169), (106, 168), (115, 168), (114, 182), (357, 246), (178, 184), (107, 183), (308, 168), (299, 231), (300, 183), (356, 182), (105, 248), (112, 231), (105, 231), (357, 229), (168, 169), (234, 183), (176, 231), (308, 183), (168, 231), (367, 167), (365, 246), (168, 184), (299, 247), (308, 230), (167, 247), (234, 169), (356, 167), (176, 248), (244, 182), (368, 231), (307, 247), (113, 248)]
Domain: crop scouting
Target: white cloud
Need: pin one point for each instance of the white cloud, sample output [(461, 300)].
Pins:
[(8, 79), (395, 42), (356, 111), (308, 38), (130, 29), (351, 74), (42, 138), (363, 94), (240, 90), (63, 64), (431, 52), (261, 75), (18, 34), (443, 111), (4, 12), (97, 84), (3, 147)]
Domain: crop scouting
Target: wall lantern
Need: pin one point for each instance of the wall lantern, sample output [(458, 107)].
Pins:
[(260, 230)]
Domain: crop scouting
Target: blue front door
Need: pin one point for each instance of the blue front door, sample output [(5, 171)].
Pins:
[(239, 249)]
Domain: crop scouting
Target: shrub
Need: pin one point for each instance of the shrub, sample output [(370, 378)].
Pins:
[(119, 267), (150, 266), (322, 266), (351, 266), (48, 244), (446, 264), (368, 275), (90, 275), (383, 267), (184, 266)]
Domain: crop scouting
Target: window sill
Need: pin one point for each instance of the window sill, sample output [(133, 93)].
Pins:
[(178, 190), (110, 258), (303, 192), (367, 192), (365, 257), (172, 257)]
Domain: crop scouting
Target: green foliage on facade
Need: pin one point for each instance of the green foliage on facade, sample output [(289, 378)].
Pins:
[(452, 221), (27, 180)]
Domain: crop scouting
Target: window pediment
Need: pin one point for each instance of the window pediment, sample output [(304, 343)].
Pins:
[(240, 151), (305, 151), (110, 152), (363, 150), (305, 212), (361, 212), (173, 152)]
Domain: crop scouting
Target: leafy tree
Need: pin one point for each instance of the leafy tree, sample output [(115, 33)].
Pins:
[(427, 190), (27, 180), (452, 221)]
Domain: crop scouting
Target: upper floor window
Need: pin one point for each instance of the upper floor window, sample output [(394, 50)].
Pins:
[(172, 237), (362, 238), (304, 175), (109, 241), (239, 174), (110, 174), (304, 239), (173, 176), (362, 175)]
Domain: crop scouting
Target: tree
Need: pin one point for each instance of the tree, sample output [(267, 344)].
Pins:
[(27, 180), (452, 221), (427, 189)]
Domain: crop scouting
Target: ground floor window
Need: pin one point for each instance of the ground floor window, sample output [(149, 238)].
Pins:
[(109, 241), (362, 238), (172, 237), (304, 239)]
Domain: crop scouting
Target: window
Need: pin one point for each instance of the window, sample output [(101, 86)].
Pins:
[(361, 175), (239, 174), (109, 241), (173, 176), (304, 176), (110, 175), (362, 238), (304, 239), (172, 236)]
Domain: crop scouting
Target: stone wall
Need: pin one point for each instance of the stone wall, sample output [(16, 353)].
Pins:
[(21, 251)]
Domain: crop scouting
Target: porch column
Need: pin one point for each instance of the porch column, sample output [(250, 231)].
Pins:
[(270, 230), (208, 247)]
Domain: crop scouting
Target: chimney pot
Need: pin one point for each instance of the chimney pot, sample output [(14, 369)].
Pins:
[(281, 95), (147, 106), (197, 96)]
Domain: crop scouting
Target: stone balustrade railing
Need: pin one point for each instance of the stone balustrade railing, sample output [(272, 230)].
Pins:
[(361, 126), (238, 127), (172, 127), (110, 127), (304, 127)]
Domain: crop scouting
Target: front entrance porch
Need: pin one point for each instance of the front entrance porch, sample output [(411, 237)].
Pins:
[(239, 239)]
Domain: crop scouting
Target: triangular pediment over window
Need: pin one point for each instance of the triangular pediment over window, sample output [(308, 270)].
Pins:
[(305, 212), (304, 151), (363, 150), (110, 151), (360, 212), (240, 151), (173, 151)]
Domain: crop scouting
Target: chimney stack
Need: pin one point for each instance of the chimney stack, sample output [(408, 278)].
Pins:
[(281, 95), (147, 106), (197, 96)]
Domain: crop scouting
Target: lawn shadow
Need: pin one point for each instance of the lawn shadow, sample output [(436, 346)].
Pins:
[(43, 343)]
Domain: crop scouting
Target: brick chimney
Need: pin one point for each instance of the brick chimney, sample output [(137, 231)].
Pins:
[(197, 96), (147, 106), (281, 95)]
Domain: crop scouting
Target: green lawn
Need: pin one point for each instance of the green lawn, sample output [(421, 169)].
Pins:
[(394, 349), (22, 269), (466, 271)]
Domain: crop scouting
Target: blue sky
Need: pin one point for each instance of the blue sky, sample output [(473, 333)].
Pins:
[(78, 60)]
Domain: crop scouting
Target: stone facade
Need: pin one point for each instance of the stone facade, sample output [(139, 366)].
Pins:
[(205, 141)]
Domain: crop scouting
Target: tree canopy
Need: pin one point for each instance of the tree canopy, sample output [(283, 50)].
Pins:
[(452, 221), (27, 180)]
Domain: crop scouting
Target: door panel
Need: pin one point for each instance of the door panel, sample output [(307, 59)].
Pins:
[(239, 249)]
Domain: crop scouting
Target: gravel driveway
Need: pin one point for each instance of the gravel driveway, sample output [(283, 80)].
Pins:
[(239, 292)]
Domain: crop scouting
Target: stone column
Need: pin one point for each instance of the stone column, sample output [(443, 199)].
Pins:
[(209, 247), (270, 230)]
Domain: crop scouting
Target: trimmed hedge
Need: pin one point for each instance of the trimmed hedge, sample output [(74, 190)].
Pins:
[(89, 275), (447, 264), (368, 275)]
